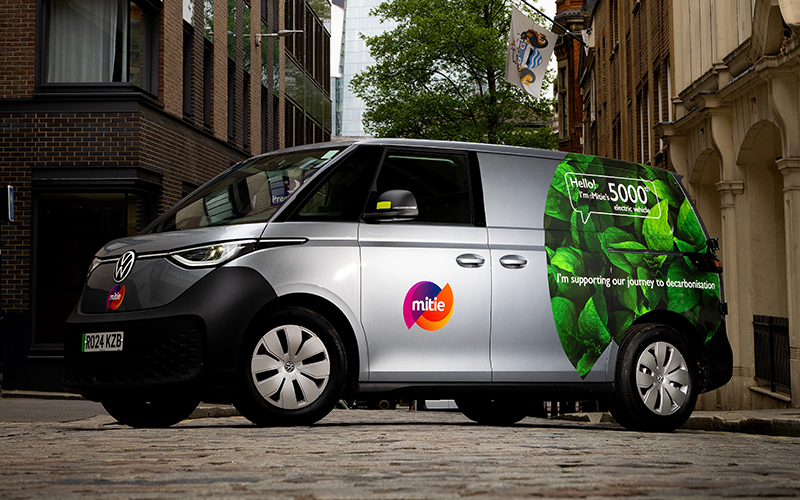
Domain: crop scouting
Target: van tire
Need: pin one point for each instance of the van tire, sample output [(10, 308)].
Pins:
[(486, 411), (292, 370), (656, 380), (155, 413)]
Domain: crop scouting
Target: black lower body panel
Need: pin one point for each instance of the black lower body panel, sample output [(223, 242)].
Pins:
[(190, 344), (720, 359)]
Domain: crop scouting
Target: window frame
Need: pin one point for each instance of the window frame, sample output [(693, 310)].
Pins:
[(474, 189), (41, 85)]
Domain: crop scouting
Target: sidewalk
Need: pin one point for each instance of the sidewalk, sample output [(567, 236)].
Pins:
[(766, 422), (24, 407)]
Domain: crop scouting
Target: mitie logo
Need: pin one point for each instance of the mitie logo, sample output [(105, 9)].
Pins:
[(115, 297), (428, 306)]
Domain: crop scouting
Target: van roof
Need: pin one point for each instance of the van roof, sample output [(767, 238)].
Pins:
[(466, 146)]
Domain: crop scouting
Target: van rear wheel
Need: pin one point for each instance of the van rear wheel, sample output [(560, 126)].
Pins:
[(292, 370), (656, 380)]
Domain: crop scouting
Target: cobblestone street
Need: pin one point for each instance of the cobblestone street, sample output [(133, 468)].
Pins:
[(388, 455)]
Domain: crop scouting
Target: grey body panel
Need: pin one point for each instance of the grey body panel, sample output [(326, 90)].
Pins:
[(326, 266), (515, 189), (525, 343), (395, 257)]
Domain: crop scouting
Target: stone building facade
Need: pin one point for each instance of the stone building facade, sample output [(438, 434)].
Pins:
[(711, 90), (111, 111), (736, 141)]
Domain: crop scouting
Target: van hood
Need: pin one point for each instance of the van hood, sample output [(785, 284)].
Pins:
[(175, 240)]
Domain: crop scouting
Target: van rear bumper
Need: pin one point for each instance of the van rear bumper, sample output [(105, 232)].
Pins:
[(720, 359)]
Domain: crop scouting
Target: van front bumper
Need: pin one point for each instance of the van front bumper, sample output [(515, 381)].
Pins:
[(190, 344)]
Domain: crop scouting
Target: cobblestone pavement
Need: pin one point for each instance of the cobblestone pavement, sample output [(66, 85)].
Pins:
[(388, 455)]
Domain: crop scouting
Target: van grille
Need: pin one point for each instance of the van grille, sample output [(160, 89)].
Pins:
[(160, 352)]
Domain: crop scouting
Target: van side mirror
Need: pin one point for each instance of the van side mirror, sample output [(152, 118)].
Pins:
[(396, 205)]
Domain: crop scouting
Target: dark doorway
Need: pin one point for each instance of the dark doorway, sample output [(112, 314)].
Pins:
[(70, 228)]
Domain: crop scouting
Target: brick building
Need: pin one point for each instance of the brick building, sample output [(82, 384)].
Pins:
[(624, 79), (113, 110), (569, 99)]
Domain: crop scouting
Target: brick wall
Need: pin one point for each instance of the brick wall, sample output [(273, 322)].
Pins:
[(17, 48), (171, 52), (180, 154), (51, 140), (148, 139), (621, 75)]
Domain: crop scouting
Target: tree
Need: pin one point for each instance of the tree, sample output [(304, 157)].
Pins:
[(439, 75)]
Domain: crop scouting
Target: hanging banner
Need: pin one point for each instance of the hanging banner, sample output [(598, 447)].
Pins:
[(529, 49)]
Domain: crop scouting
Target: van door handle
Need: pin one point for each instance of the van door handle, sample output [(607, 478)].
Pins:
[(470, 260), (513, 261)]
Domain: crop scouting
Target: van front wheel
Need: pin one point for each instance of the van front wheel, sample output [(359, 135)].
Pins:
[(656, 380), (292, 370)]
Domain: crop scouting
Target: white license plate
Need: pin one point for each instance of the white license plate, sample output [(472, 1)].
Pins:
[(102, 342)]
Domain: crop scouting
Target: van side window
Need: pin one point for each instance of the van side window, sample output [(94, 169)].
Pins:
[(342, 196), (439, 182)]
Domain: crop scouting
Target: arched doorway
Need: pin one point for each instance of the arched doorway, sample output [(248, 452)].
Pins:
[(764, 188), (703, 183)]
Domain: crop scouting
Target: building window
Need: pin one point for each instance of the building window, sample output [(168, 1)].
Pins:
[(100, 41), (188, 69), (644, 119), (208, 59), (208, 20), (246, 111), (231, 100), (563, 105), (246, 51), (275, 122)]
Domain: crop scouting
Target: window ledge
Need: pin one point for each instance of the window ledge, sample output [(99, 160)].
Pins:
[(767, 392)]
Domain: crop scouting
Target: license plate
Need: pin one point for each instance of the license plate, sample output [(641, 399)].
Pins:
[(102, 342)]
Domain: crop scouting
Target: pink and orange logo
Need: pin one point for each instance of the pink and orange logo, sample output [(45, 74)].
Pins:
[(115, 297), (428, 306)]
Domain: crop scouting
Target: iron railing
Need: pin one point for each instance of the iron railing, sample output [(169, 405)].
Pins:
[(771, 336)]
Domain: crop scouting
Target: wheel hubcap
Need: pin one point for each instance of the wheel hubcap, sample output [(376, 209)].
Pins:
[(290, 367), (662, 378)]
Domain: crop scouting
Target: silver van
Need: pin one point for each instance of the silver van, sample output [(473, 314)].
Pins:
[(496, 276)]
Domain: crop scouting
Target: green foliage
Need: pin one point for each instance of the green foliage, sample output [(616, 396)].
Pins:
[(622, 249), (439, 75)]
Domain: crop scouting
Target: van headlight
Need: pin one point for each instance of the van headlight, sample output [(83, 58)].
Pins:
[(212, 255)]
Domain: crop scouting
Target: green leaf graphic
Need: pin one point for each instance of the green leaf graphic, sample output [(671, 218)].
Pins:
[(681, 299), (595, 337), (587, 316), (688, 227), (657, 231), (558, 206), (568, 260), (622, 321), (664, 192)]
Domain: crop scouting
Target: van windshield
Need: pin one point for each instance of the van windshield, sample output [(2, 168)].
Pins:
[(249, 192)]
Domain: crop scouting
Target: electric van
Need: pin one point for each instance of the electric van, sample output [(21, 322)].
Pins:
[(492, 275)]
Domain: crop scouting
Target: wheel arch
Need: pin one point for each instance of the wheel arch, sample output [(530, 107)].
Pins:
[(332, 314), (685, 329)]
